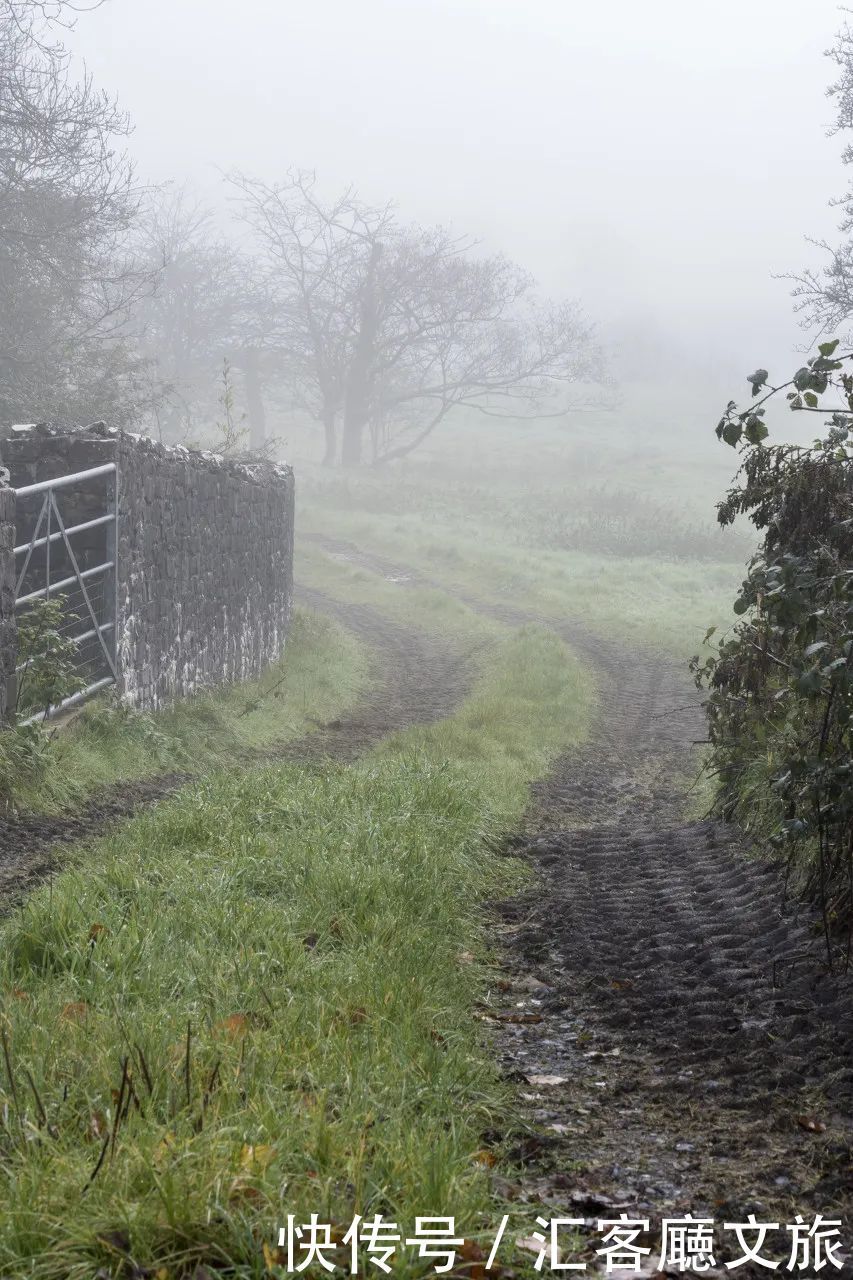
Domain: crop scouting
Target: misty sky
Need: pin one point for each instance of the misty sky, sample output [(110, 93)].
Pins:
[(660, 160)]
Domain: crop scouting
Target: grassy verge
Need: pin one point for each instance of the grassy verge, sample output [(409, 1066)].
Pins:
[(275, 965), (322, 674)]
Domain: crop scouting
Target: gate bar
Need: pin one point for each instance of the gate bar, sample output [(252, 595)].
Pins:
[(65, 582), (62, 482), (55, 537), (69, 702)]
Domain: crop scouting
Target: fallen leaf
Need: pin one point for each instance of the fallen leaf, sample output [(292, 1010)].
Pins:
[(504, 1189), (529, 983), (118, 1239), (19, 994), (273, 1256), (74, 1011), (98, 1126), (470, 1263), (240, 1189), (621, 984), (547, 1082), (256, 1157), (518, 1017), (484, 1158), (164, 1147), (96, 931), (235, 1025), (811, 1124)]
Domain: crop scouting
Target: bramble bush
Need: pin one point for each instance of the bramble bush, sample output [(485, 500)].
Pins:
[(779, 685)]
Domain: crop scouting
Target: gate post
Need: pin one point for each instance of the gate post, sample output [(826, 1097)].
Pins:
[(8, 629), (111, 611)]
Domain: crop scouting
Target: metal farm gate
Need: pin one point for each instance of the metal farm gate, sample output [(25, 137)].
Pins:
[(67, 548)]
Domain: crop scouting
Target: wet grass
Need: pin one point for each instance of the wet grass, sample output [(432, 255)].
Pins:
[(663, 603), (256, 999), (322, 674)]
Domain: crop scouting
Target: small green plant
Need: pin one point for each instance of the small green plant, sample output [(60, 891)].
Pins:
[(47, 659), (231, 435)]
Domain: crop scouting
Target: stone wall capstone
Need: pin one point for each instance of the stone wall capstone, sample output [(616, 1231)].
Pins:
[(205, 556)]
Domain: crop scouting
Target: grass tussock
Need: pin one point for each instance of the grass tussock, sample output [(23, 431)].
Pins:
[(253, 1000)]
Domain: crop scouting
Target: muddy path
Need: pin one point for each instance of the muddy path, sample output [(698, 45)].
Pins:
[(677, 1040), (417, 679)]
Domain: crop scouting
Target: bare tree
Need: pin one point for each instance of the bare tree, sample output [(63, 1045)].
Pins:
[(68, 199), (318, 276), (824, 296), (455, 329), (206, 307), (391, 327)]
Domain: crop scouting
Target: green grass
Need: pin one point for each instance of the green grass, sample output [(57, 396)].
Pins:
[(664, 603), (278, 956), (530, 704), (322, 674), (606, 517)]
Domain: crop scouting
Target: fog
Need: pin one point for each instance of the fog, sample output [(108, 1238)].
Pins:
[(660, 161)]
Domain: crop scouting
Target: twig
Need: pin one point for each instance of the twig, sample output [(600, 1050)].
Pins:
[(119, 1104), (187, 1063), (9, 1072), (39, 1103)]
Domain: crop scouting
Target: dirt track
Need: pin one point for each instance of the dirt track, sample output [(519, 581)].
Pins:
[(418, 680), (706, 1056)]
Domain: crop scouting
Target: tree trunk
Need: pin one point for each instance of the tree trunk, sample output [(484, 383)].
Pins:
[(330, 428), (254, 400), (357, 393)]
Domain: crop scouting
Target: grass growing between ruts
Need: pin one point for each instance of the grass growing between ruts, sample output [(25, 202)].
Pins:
[(322, 674), (250, 1001)]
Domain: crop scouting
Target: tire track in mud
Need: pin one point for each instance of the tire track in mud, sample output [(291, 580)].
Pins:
[(418, 679), (655, 972)]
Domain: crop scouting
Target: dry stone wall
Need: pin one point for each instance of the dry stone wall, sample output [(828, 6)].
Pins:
[(7, 591), (205, 556)]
